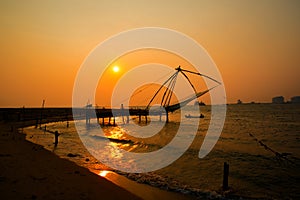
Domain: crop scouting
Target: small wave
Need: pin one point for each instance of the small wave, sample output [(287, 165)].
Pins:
[(116, 140), (170, 184)]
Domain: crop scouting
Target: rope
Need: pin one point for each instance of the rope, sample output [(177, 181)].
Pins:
[(175, 74), (168, 90), (280, 156), (146, 87)]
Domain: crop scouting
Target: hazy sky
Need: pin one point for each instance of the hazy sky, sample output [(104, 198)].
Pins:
[(255, 44)]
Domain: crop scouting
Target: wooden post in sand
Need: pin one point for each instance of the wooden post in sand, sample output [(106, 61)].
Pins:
[(225, 176), (56, 134)]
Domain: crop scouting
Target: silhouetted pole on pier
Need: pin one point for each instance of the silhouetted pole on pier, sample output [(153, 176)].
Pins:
[(88, 114), (122, 113), (140, 116), (167, 117), (87, 118), (225, 176)]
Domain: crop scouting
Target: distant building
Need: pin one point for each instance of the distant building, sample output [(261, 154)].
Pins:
[(295, 99), (279, 99)]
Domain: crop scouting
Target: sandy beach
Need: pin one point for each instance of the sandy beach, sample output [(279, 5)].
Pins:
[(28, 171)]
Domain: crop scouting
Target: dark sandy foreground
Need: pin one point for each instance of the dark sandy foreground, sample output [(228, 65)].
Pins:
[(27, 171)]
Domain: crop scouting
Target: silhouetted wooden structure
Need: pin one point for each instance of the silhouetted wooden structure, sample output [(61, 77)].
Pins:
[(166, 107), (168, 91), (88, 112)]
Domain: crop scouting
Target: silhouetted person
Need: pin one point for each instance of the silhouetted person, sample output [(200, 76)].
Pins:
[(56, 134)]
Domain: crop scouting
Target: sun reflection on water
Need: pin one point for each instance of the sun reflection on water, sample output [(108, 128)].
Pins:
[(103, 173), (115, 150)]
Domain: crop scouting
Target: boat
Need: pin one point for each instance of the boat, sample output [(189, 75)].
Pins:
[(191, 116), (199, 103)]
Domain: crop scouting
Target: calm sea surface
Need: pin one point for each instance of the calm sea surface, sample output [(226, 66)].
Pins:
[(259, 141)]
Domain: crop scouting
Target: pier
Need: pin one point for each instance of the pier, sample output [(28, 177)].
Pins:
[(88, 112), (125, 114), (67, 114)]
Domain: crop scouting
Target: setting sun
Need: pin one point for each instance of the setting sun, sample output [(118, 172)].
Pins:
[(116, 69)]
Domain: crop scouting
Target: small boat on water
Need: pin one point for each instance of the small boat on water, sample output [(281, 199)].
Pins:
[(199, 103), (191, 116)]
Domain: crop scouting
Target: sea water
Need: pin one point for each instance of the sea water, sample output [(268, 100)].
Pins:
[(260, 142)]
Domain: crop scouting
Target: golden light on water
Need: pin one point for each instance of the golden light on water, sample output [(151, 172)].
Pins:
[(103, 173)]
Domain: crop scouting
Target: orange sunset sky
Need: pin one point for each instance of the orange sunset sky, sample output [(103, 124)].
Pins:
[(255, 44)]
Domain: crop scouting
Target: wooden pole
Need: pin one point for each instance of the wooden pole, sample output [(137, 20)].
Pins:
[(41, 119), (225, 176), (140, 116), (167, 117), (56, 134), (122, 113), (86, 116)]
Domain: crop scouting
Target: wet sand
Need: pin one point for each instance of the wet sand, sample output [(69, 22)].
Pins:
[(28, 171)]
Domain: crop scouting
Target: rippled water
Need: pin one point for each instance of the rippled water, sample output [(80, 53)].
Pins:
[(259, 141)]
